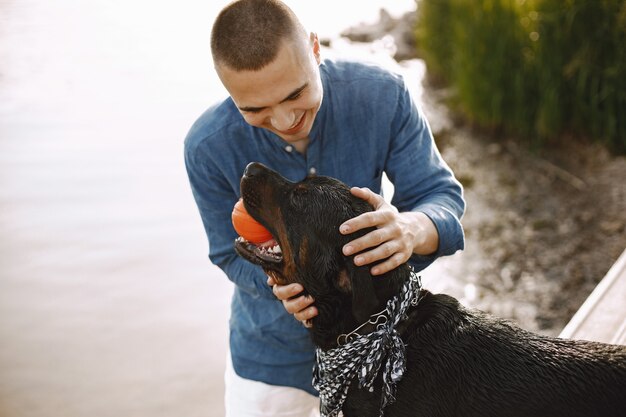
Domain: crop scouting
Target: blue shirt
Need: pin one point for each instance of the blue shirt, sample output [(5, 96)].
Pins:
[(367, 124)]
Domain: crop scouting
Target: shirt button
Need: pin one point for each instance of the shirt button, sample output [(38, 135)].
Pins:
[(289, 148), (312, 170)]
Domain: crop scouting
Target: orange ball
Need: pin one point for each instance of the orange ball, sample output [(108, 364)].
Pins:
[(247, 227)]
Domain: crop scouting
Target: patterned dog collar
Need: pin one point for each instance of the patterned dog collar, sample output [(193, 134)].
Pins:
[(362, 355)]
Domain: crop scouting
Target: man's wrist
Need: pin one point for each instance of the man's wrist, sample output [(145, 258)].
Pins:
[(426, 236)]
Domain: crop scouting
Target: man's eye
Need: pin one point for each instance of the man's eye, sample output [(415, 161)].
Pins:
[(295, 96)]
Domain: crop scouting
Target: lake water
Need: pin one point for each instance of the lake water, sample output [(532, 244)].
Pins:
[(108, 303)]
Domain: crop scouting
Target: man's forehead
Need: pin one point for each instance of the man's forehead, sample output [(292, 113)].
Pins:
[(269, 85)]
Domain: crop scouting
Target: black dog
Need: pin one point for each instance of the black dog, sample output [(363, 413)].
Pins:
[(459, 362)]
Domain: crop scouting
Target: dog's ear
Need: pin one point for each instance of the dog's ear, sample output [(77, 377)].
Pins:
[(364, 300)]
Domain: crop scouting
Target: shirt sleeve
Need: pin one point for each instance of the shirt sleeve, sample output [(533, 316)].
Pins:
[(215, 198), (422, 180)]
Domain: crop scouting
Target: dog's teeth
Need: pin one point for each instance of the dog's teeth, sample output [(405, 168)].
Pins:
[(275, 249)]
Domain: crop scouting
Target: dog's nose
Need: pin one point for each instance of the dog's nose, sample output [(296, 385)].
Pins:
[(253, 169)]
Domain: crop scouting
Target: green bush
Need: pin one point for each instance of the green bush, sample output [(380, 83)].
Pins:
[(536, 68)]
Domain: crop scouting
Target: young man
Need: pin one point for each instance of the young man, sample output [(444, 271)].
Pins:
[(300, 116)]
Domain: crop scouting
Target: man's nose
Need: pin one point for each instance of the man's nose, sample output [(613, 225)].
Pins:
[(283, 119)]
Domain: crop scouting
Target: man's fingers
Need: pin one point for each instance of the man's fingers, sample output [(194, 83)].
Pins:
[(370, 240), (391, 263), (362, 221), (306, 314), (371, 218), (285, 292), (366, 219), (368, 195), (383, 214), (301, 307), (297, 306), (383, 251)]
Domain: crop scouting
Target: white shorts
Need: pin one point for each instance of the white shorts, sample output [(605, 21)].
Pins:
[(247, 398)]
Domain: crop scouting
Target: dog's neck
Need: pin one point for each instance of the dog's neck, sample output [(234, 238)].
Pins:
[(336, 316)]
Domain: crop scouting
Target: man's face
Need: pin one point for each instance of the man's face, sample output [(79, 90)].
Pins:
[(284, 96)]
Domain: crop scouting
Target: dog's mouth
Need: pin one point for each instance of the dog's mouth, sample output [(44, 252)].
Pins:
[(268, 252)]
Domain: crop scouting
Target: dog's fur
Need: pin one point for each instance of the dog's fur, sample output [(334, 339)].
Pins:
[(460, 362)]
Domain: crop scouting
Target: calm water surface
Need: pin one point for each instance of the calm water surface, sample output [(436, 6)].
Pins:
[(108, 303)]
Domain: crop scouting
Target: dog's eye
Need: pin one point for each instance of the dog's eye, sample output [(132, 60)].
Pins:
[(300, 190), (297, 194)]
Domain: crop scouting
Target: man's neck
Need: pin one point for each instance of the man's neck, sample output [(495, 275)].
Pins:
[(301, 145)]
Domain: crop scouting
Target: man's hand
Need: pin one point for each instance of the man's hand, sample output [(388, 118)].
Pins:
[(396, 238), (300, 306)]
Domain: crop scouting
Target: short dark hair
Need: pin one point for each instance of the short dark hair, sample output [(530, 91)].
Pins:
[(248, 34)]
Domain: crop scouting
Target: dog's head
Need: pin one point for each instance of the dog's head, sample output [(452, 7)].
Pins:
[(304, 219)]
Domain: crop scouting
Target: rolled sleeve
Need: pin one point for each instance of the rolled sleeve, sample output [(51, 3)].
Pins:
[(423, 181)]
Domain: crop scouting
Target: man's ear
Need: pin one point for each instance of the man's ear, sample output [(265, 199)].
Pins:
[(364, 300), (315, 43)]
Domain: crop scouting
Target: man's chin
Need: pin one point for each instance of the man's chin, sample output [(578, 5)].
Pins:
[(295, 138), (302, 134)]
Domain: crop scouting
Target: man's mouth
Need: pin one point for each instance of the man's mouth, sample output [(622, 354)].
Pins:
[(268, 251), (295, 128)]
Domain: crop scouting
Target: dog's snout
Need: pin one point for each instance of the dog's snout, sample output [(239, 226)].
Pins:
[(257, 176), (254, 169)]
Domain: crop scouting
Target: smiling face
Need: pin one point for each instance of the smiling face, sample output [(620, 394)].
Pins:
[(285, 95)]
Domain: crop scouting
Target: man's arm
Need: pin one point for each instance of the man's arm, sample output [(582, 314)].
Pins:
[(215, 198), (424, 221)]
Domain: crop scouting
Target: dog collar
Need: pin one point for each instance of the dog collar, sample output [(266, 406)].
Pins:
[(377, 321), (362, 355)]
